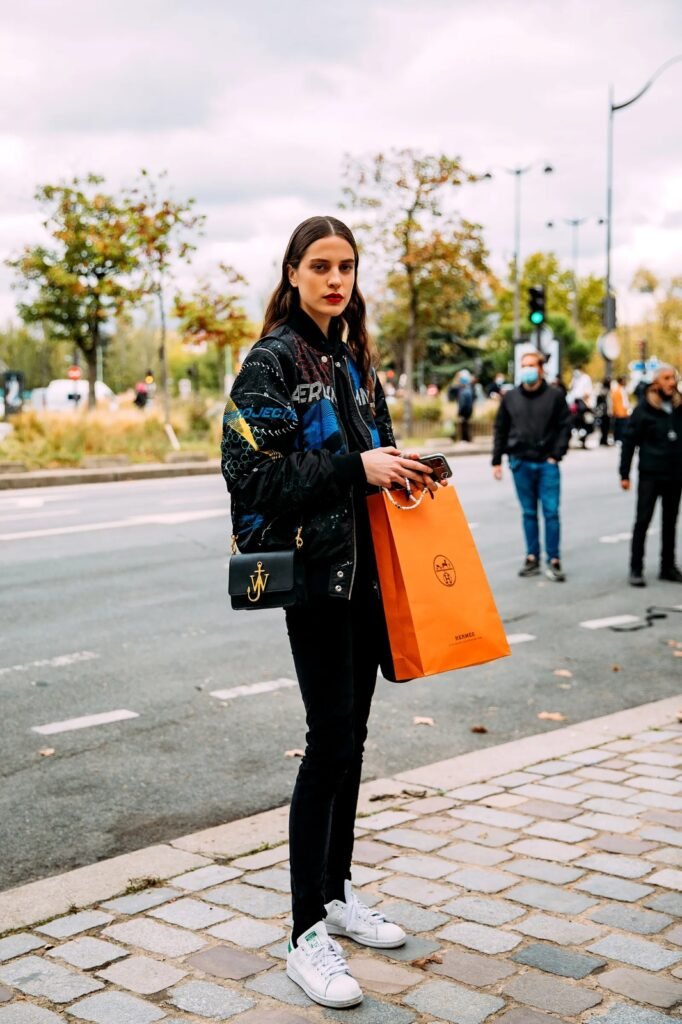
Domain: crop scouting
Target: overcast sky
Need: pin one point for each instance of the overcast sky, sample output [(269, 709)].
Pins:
[(250, 107)]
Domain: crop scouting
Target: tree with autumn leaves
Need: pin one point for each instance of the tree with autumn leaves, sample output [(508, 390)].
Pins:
[(215, 314), (84, 277), (105, 255), (453, 287), (402, 195), (163, 229)]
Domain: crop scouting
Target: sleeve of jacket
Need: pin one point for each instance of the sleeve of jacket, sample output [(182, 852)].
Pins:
[(563, 430), (382, 416), (501, 434), (260, 426), (631, 440)]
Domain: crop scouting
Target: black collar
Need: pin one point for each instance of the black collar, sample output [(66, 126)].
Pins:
[(536, 392), (306, 327)]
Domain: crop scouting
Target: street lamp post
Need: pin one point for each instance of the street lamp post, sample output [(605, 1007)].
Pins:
[(609, 305), (575, 223), (518, 172)]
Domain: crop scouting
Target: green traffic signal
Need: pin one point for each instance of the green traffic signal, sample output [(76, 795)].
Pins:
[(536, 305)]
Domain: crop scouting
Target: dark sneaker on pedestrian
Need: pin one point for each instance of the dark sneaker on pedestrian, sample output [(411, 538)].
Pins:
[(554, 571), (531, 567), (636, 579), (672, 575)]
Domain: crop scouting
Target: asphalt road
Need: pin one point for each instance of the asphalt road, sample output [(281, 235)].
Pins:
[(113, 598)]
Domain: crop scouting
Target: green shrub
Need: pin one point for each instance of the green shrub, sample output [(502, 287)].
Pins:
[(428, 411)]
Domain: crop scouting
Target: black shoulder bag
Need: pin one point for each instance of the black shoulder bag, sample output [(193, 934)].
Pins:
[(266, 579)]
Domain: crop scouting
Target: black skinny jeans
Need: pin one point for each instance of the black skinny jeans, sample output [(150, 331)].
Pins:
[(649, 490), (336, 647)]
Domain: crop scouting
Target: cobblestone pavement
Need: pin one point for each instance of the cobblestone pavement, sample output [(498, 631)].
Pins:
[(549, 893)]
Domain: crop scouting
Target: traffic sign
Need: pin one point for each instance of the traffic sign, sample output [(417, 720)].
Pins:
[(74, 373), (609, 345)]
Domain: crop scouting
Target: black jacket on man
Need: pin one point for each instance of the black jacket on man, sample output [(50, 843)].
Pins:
[(298, 418), (657, 434), (532, 425)]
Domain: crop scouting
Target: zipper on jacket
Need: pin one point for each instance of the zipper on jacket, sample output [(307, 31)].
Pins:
[(352, 503), (357, 407)]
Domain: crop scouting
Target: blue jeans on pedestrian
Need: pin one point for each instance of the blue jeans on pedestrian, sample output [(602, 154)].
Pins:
[(539, 482)]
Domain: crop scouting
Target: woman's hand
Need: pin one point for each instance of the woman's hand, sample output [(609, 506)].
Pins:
[(387, 466)]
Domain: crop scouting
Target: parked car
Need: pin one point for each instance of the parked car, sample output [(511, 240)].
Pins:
[(58, 396)]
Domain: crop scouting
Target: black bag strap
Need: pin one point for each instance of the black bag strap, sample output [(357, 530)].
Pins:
[(652, 614)]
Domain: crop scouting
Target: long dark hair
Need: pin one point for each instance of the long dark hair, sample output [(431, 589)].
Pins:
[(285, 299)]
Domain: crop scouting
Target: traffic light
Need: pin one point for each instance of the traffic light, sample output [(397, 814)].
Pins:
[(536, 305)]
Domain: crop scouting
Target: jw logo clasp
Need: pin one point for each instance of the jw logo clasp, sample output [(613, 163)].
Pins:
[(259, 581)]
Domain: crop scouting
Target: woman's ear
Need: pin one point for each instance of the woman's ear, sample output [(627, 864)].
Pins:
[(293, 277)]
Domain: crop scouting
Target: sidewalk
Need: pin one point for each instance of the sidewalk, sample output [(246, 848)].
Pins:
[(540, 881), (158, 470)]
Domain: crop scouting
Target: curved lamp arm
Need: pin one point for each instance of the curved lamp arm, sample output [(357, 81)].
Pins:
[(645, 88)]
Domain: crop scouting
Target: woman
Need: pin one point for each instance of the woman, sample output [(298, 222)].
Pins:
[(307, 432)]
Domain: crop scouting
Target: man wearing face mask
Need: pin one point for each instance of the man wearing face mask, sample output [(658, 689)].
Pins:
[(533, 427), (655, 427)]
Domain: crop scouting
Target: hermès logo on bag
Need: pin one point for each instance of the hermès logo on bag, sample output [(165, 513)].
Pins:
[(444, 570)]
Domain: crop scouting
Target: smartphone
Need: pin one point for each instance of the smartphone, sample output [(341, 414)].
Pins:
[(439, 464)]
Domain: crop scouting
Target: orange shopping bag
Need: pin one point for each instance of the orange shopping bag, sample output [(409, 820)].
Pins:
[(440, 612)]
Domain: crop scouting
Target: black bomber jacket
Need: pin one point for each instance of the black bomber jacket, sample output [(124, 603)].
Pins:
[(657, 434), (286, 456)]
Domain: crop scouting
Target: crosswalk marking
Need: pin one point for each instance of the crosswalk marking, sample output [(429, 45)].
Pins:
[(613, 620), (253, 688), (85, 722), (520, 638)]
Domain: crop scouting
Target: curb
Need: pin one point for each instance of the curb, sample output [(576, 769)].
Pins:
[(62, 477), (30, 904), (149, 471)]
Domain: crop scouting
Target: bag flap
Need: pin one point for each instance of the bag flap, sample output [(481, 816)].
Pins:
[(264, 572)]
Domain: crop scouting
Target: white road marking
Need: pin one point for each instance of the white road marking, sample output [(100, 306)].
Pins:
[(618, 538), (34, 500), (43, 514), (613, 620), (157, 519), (85, 722), (253, 688), (60, 661), (520, 638)]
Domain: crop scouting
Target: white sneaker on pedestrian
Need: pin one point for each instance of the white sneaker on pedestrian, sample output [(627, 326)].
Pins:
[(317, 965), (356, 921)]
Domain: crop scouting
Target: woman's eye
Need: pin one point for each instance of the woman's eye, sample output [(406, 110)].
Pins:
[(318, 266), (347, 268)]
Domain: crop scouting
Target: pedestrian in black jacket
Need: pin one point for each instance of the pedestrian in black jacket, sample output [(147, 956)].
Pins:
[(307, 432), (655, 427), (533, 427)]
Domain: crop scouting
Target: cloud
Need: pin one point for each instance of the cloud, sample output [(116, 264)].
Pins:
[(251, 109)]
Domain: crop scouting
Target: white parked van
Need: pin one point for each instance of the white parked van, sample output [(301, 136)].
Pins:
[(58, 395)]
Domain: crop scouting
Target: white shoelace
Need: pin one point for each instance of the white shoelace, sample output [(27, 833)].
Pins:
[(328, 960), (360, 913)]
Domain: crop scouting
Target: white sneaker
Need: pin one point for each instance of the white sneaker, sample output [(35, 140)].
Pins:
[(318, 966), (356, 921)]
